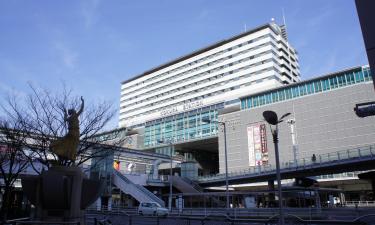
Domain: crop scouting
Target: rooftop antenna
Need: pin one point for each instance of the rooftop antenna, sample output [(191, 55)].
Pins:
[(284, 26), (286, 37), (245, 28), (284, 21)]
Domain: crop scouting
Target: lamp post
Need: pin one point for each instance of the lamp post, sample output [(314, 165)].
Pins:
[(271, 118), (291, 122), (170, 173), (226, 159)]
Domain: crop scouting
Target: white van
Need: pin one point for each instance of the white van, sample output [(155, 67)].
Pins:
[(152, 208)]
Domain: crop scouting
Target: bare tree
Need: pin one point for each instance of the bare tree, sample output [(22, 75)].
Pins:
[(13, 160), (42, 115)]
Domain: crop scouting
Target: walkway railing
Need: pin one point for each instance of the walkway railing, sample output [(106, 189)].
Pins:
[(214, 218), (339, 157), (360, 203)]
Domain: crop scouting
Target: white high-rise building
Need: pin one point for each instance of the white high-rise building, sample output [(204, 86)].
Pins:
[(253, 61)]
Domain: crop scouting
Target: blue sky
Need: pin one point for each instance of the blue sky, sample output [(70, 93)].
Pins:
[(93, 45)]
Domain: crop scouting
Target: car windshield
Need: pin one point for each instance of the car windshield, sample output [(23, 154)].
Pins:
[(155, 205), (150, 204)]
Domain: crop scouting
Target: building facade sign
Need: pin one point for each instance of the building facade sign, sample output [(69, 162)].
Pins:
[(257, 145), (181, 108), (192, 105), (250, 139)]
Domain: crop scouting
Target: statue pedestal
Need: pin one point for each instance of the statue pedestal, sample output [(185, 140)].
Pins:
[(61, 193)]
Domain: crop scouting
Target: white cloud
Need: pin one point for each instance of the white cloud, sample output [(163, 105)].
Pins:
[(68, 56), (320, 18), (89, 12)]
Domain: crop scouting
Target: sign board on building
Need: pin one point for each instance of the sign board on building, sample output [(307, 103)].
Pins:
[(181, 108), (257, 145)]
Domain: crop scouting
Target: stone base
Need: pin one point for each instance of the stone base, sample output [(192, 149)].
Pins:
[(61, 194)]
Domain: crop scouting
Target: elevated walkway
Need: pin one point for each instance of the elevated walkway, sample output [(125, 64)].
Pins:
[(356, 159), (140, 193)]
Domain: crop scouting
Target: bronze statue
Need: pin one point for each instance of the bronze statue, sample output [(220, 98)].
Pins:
[(66, 147)]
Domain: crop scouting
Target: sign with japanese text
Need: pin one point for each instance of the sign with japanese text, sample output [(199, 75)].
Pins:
[(257, 145)]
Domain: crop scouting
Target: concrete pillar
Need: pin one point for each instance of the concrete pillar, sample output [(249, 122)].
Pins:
[(271, 194), (98, 204), (109, 203), (155, 172)]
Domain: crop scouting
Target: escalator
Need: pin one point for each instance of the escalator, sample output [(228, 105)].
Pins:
[(140, 193)]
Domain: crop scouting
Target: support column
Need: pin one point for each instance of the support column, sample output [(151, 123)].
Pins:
[(98, 204), (109, 203), (271, 194), (155, 172)]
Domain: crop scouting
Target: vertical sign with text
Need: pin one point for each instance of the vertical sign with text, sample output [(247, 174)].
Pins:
[(257, 145)]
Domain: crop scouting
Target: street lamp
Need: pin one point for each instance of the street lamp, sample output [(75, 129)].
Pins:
[(292, 122), (170, 173), (271, 118), (226, 158)]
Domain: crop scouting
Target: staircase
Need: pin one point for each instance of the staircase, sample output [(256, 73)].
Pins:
[(140, 193), (185, 185)]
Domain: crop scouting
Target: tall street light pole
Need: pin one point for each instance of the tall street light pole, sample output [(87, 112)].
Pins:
[(271, 118), (291, 122), (225, 159), (170, 173)]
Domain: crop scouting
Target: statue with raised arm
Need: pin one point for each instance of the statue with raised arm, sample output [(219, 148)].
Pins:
[(66, 147)]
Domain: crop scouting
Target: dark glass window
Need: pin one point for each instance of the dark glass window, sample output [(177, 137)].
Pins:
[(333, 82), (243, 104), (359, 76), (295, 91), (350, 78), (341, 80), (255, 101), (326, 82), (281, 95), (302, 90), (367, 75), (268, 98), (288, 93), (318, 86), (275, 97), (309, 88), (249, 103), (261, 100)]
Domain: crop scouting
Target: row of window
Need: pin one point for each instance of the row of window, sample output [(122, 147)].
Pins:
[(182, 127), (195, 62), (202, 73), (152, 96), (198, 82), (221, 91), (311, 87)]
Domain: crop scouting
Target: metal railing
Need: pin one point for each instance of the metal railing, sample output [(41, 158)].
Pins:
[(38, 222), (338, 157), (360, 203), (223, 219)]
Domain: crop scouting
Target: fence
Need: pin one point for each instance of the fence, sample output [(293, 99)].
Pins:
[(215, 219), (360, 203)]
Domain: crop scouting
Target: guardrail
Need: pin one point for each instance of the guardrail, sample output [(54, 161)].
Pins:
[(360, 203), (323, 159), (38, 222), (225, 219)]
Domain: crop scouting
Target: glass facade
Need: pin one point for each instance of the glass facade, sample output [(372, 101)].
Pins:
[(182, 127), (300, 89)]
